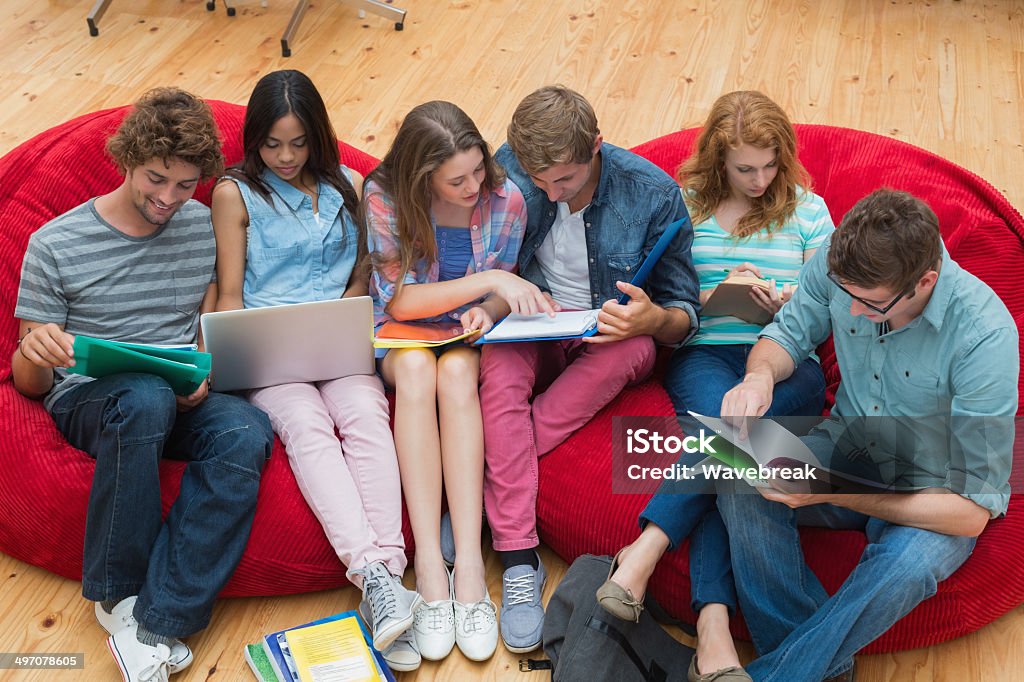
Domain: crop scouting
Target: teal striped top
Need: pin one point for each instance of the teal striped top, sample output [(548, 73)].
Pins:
[(779, 255)]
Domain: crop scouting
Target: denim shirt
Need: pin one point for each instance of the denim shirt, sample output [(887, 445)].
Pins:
[(290, 258), (956, 364), (633, 203)]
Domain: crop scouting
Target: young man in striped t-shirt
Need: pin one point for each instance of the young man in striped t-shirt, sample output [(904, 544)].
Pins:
[(137, 265)]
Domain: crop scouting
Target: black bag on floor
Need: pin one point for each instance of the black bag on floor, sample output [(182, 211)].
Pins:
[(587, 644)]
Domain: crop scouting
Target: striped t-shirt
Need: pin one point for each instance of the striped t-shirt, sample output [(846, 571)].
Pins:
[(778, 255), (82, 273)]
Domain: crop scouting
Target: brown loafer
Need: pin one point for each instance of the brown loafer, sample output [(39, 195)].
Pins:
[(617, 600), (733, 674)]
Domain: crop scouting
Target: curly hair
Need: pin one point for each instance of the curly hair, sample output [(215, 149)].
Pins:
[(168, 123), (737, 118)]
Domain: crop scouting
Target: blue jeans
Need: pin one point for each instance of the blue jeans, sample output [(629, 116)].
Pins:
[(127, 422), (800, 632), (697, 379)]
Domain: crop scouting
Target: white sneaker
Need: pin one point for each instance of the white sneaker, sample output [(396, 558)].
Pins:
[(476, 628), (434, 626), (403, 655), (120, 617), (139, 662), (391, 605)]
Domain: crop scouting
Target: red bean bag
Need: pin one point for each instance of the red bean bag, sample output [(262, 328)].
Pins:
[(578, 512), (44, 487)]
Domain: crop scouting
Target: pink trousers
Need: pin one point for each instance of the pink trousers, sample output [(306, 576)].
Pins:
[(352, 486), (568, 381)]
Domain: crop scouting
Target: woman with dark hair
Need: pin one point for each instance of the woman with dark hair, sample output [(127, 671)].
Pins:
[(444, 226), (287, 212), (752, 209)]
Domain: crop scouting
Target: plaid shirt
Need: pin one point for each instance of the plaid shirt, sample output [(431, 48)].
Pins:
[(496, 228)]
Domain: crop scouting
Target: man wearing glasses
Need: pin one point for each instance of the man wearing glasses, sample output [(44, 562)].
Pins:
[(919, 341)]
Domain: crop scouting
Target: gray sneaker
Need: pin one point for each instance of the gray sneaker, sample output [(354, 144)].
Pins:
[(403, 655), (391, 606), (447, 540), (522, 615)]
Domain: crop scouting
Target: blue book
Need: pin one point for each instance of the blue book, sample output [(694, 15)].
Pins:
[(655, 255), (276, 647)]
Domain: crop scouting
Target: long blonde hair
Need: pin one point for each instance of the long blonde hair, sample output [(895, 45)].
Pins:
[(430, 134), (744, 117)]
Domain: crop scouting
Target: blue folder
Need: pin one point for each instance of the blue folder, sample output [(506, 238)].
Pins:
[(655, 255)]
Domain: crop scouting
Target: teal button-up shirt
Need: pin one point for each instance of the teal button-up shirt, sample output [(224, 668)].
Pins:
[(953, 370)]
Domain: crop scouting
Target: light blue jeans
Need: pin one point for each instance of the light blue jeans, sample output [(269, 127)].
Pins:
[(801, 633)]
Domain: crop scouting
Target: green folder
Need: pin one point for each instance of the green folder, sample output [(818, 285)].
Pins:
[(183, 368)]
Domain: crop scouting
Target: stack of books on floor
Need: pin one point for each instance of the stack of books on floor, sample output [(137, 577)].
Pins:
[(333, 649)]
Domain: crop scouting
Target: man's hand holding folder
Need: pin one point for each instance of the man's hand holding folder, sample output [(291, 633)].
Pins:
[(636, 316), (634, 313)]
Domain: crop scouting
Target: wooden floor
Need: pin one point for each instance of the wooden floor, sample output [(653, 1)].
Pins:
[(943, 74)]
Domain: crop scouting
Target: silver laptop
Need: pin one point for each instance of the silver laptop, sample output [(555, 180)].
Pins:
[(282, 344)]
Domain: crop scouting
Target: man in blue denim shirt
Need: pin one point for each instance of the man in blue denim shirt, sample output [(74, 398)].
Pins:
[(594, 211), (916, 336)]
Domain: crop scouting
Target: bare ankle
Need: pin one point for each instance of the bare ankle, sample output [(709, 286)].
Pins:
[(715, 648), (432, 581), (714, 618), (470, 584)]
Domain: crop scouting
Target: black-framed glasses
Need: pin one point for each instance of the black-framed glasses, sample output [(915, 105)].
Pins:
[(869, 306)]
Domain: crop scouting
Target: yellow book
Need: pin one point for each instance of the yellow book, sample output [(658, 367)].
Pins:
[(332, 652)]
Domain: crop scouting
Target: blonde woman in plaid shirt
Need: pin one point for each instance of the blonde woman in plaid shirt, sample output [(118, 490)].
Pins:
[(444, 229)]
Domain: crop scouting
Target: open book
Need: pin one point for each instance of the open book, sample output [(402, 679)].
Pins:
[(394, 334), (772, 456), (542, 327), (183, 367), (732, 297)]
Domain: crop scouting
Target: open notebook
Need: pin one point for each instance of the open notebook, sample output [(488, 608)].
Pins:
[(542, 327)]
